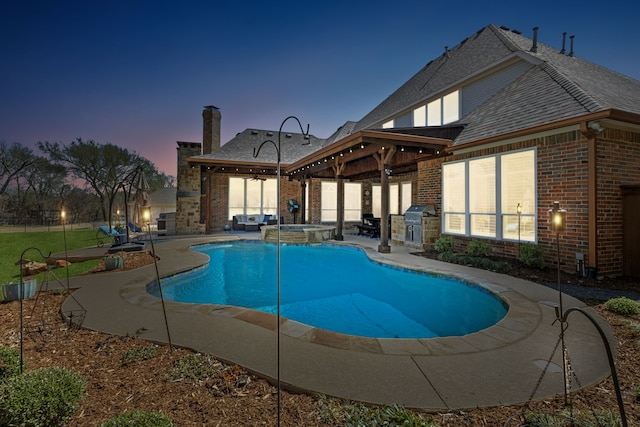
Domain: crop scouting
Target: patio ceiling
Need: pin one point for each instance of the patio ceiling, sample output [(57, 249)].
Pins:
[(356, 155)]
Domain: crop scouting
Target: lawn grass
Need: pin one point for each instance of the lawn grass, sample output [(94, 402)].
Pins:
[(48, 242)]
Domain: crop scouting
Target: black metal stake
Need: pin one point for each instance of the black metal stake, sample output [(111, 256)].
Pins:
[(256, 152), (164, 310)]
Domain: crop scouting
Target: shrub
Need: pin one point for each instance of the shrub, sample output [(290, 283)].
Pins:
[(531, 255), (193, 367), (9, 362), (453, 257), (139, 353), (44, 397), (623, 306), (444, 244), (139, 418), (478, 248)]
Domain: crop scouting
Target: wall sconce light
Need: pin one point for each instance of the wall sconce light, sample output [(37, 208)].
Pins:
[(387, 171), (557, 217)]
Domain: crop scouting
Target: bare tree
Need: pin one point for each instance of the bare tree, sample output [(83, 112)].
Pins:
[(14, 158), (105, 168), (45, 185)]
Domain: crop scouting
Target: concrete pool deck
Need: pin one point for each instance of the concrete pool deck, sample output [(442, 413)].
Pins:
[(500, 365)]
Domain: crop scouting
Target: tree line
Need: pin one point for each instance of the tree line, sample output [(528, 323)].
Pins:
[(88, 179)]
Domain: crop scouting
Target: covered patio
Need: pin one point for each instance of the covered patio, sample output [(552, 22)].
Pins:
[(368, 154)]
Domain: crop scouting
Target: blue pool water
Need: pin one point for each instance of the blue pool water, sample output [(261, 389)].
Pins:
[(338, 289)]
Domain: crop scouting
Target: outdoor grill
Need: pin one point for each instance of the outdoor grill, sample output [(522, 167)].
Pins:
[(413, 221)]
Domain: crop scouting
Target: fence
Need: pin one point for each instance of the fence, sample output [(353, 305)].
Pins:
[(45, 228)]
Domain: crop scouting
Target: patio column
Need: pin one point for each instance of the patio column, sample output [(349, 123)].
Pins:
[(340, 207), (383, 157), (339, 169), (303, 187)]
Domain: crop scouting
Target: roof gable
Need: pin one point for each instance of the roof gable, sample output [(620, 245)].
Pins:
[(475, 53), (556, 87)]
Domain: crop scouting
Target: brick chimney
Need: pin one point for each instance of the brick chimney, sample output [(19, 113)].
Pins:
[(210, 129)]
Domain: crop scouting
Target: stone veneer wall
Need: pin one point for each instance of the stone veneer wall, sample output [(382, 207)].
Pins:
[(188, 192)]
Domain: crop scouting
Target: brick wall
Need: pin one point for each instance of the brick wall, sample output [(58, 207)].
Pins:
[(563, 175), (618, 162)]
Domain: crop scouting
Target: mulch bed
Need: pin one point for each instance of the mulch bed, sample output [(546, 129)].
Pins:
[(234, 397)]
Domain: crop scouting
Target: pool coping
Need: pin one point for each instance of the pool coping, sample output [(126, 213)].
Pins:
[(521, 319), (500, 365)]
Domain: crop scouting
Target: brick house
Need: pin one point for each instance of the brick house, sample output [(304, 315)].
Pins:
[(491, 133)]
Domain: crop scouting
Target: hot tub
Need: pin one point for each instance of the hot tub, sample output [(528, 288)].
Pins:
[(298, 233)]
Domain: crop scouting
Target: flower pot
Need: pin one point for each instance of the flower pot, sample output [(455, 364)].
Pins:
[(13, 291), (112, 263)]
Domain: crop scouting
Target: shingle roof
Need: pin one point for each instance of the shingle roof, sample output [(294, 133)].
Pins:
[(293, 146), (557, 86), (472, 54)]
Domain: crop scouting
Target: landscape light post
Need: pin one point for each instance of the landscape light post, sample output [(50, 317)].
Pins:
[(256, 152), (63, 216), (557, 218), (146, 217)]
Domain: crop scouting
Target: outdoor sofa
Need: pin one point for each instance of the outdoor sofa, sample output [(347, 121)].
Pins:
[(251, 222)]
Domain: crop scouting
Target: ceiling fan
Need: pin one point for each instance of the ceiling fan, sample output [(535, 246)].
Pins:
[(257, 178)]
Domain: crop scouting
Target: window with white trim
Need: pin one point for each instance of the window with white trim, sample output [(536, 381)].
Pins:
[(328, 201), (248, 196), (438, 112), (406, 197), (352, 201), (480, 196), (399, 198)]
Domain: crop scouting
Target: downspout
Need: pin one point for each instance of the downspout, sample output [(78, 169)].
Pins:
[(590, 133)]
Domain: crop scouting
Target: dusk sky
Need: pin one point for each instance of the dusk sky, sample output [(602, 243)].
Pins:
[(137, 73)]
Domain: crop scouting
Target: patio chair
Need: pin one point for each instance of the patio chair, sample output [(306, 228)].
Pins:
[(105, 232)]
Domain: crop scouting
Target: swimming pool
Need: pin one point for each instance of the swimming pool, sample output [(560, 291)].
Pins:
[(337, 289)]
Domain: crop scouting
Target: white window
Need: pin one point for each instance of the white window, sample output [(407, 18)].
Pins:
[(352, 201), (434, 113), (306, 201), (394, 198), (247, 196), (328, 201), (376, 199), (453, 198), (406, 197), (480, 196), (438, 112), (518, 177), (450, 108), (420, 116)]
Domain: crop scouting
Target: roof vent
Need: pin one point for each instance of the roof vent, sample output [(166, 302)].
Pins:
[(502, 27), (269, 133), (564, 38), (446, 51), (254, 132), (514, 31), (288, 135), (571, 44), (534, 47)]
